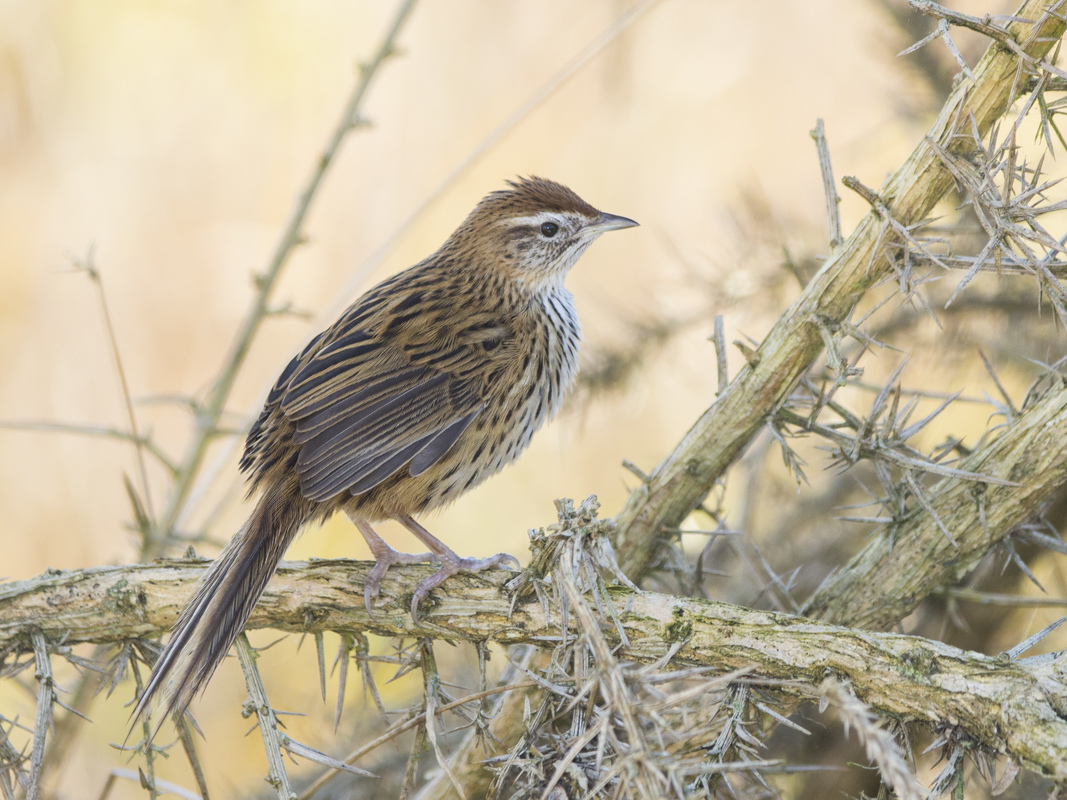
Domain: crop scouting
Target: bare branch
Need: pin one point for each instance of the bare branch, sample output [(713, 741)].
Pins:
[(833, 201), (46, 695), (207, 419), (718, 438), (1005, 706)]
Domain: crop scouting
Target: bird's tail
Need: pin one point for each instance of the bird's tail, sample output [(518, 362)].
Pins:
[(224, 600)]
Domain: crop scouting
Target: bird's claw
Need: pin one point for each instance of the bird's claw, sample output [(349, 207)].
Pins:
[(451, 564), (385, 557)]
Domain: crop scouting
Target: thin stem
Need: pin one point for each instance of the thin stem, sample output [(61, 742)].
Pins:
[(139, 442), (45, 696), (833, 201), (278, 776), (208, 415)]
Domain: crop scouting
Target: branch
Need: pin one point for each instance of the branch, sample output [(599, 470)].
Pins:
[(683, 479), (911, 559), (1006, 706), (833, 201), (207, 417)]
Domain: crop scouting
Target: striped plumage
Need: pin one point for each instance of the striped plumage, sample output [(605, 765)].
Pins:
[(428, 384)]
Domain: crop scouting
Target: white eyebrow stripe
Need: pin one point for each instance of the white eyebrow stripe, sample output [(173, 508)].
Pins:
[(536, 219)]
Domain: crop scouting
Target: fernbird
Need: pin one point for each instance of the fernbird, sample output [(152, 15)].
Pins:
[(428, 384)]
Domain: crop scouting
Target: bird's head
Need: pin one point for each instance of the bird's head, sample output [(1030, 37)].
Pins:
[(536, 230)]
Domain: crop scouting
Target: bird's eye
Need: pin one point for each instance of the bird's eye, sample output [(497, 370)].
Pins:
[(549, 229)]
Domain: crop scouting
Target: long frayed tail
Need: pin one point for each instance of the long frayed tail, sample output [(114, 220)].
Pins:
[(224, 600)]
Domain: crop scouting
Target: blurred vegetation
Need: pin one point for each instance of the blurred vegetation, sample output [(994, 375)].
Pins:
[(161, 154)]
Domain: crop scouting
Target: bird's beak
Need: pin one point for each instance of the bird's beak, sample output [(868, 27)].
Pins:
[(607, 222)]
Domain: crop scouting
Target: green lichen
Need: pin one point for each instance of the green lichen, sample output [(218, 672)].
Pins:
[(680, 629)]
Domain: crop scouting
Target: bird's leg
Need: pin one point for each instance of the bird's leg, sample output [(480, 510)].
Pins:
[(384, 557), (451, 564)]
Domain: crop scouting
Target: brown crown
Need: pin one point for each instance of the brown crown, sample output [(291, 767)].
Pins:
[(530, 195)]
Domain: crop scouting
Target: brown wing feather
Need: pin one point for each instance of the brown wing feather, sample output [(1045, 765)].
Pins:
[(342, 450), (370, 398)]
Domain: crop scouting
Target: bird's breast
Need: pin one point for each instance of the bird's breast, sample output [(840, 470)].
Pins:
[(521, 402)]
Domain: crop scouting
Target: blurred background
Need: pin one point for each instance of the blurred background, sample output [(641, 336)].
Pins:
[(168, 141)]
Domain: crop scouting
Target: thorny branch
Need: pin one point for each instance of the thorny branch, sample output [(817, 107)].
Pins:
[(911, 558), (681, 482), (1004, 705), (209, 414), (719, 437), (620, 722), (277, 774), (157, 533)]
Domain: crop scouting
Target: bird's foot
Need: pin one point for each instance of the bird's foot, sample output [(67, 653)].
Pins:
[(452, 564), (385, 557)]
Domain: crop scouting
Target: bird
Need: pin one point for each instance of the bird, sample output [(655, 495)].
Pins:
[(428, 384)]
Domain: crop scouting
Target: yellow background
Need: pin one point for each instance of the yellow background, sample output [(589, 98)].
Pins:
[(171, 139)]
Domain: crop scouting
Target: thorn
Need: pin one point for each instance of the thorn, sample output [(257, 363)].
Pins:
[(751, 356)]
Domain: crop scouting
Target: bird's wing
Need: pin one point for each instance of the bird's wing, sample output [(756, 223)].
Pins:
[(372, 397)]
